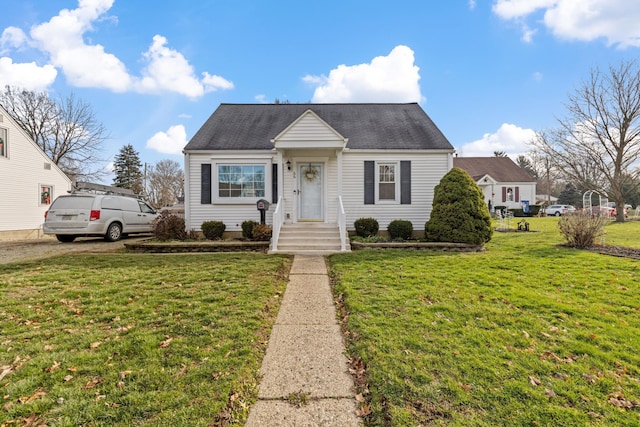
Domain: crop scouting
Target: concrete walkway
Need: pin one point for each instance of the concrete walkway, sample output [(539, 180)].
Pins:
[(305, 379)]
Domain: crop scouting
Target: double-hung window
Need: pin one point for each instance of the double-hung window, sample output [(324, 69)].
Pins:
[(240, 181), (388, 181)]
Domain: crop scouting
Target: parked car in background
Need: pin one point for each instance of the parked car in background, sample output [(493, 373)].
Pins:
[(557, 210), (612, 206), (113, 214)]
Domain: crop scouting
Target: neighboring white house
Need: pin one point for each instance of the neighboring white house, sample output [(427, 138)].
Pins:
[(314, 163), (30, 182), (502, 181)]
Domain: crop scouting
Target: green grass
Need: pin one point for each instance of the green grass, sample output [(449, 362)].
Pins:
[(527, 333), (134, 339), (623, 234)]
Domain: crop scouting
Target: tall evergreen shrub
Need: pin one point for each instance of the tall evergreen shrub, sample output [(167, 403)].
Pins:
[(459, 213)]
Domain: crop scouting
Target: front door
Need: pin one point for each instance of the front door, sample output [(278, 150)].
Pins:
[(310, 192)]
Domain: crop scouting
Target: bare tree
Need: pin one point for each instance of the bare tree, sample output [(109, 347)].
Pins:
[(165, 183), (598, 143), (66, 130)]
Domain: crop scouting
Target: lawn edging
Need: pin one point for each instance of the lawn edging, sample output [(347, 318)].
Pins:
[(199, 246), (432, 246)]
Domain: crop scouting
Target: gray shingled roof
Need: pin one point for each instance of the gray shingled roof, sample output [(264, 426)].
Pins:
[(367, 126), (502, 169)]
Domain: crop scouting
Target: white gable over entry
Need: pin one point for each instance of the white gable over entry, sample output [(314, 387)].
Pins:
[(309, 131)]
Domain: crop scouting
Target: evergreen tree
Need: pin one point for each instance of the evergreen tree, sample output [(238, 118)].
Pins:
[(459, 213), (128, 170), (526, 164), (570, 195)]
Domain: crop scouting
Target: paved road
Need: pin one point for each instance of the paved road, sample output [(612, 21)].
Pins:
[(20, 250)]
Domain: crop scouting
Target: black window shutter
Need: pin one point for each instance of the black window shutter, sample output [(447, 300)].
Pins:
[(274, 183), (369, 182), (405, 182), (205, 183)]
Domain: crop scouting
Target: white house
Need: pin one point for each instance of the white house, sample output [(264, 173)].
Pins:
[(502, 181), (31, 181), (316, 164)]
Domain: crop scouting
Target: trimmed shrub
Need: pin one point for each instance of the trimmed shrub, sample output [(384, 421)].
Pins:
[(400, 229), (459, 213), (581, 230), (247, 229), (213, 230), (534, 210), (366, 227), (261, 232), (168, 226)]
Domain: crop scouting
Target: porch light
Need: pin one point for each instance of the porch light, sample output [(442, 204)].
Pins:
[(288, 164)]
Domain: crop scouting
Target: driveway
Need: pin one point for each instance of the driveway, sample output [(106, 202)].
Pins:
[(22, 250)]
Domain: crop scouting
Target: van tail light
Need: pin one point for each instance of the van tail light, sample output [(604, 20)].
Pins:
[(94, 216), (45, 214)]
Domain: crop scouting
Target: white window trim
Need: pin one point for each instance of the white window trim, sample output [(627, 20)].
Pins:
[(396, 201), (216, 199), (5, 138), (51, 193)]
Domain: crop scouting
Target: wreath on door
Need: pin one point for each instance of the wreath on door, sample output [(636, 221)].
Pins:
[(310, 174)]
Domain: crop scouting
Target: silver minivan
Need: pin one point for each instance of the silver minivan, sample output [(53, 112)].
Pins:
[(85, 214)]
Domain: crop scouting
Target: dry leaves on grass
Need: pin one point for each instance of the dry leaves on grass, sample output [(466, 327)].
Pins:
[(30, 421), (54, 367), (166, 343), (534, 381), (4, 371), (618, 400), (94, 381), (363, 411), (36, 395)]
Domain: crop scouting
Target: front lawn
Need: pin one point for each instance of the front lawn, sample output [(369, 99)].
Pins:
[(525, 333), (129, 339)]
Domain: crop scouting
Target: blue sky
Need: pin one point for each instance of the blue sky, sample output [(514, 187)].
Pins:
[(489, 73)]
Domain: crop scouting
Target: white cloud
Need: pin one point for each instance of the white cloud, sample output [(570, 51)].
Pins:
[(511, 9), (509, 138), (213, 83), (13, 37), (170, 142), (392, 78), (261, 98), (27, 75), (84, 64), (168, 70), (538, 76), (584, 20), (472, 4)]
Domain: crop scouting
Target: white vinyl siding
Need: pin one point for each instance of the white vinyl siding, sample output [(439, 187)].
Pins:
[(24, 170), (231, 212), (426, 171), (309, 130)]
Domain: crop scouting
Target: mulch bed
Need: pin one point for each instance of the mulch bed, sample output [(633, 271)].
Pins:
[(619, 251)]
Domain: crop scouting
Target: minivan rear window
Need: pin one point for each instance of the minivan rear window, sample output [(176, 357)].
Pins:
[(72, 203)]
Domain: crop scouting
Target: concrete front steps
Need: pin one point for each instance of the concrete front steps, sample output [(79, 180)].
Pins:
[(312, 238)]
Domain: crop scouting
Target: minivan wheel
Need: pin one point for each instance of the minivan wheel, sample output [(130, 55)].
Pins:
[(558, 213), (64, 238), (114, 232)]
